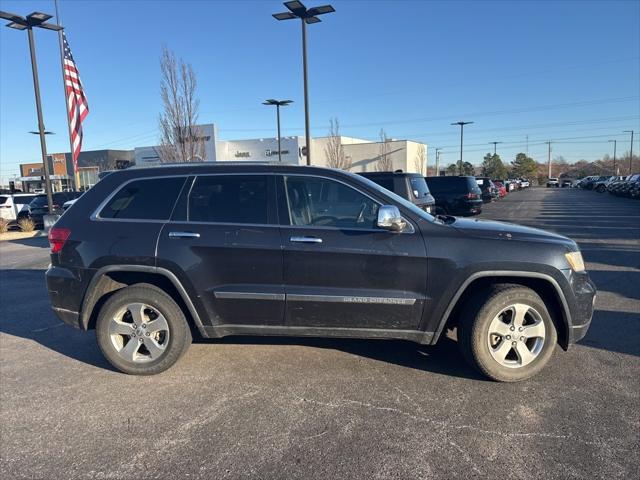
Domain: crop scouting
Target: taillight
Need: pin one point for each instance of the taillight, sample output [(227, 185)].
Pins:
[(471, 196), (57, 238)]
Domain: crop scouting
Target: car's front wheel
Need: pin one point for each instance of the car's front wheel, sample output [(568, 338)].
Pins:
[(506, 332), (141, 330)]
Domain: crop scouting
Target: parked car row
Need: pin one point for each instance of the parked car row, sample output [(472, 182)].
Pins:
[(452, 195), (621, 186), (18, 206), (11, 204)]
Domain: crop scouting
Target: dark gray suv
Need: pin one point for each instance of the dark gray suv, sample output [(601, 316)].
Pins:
[(150, 256)]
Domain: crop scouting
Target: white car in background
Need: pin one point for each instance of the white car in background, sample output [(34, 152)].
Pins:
[(13, 203)]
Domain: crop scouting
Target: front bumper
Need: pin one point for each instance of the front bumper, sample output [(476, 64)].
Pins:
[(581, 306)]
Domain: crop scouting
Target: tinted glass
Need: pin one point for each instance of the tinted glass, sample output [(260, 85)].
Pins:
[(383, 182), (3, 199), (229, 199), (151, 199), (23, 199), (448, 184), (419, 187), (326, 203), (39, 201)]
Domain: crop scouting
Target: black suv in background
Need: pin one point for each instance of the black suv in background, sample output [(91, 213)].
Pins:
[(39, 206), (489, 191), (410, 186), (456, 195), (148, 256)]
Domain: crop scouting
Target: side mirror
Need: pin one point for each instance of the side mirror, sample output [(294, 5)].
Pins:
[(389, 218)]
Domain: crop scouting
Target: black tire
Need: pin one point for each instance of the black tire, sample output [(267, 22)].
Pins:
[(474, 338), (179, 333), (601, 189)]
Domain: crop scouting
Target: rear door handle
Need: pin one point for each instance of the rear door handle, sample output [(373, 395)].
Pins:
[(184, 235), (305, 240)]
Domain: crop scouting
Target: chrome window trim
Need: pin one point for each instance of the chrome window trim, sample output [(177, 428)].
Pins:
[(95, 216)]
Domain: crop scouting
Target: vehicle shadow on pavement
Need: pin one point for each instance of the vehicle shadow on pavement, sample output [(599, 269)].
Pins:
[(26, 313), (443, 358), (614, 331), (42, 242)]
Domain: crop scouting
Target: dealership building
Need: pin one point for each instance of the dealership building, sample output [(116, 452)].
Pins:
[(363, 155)]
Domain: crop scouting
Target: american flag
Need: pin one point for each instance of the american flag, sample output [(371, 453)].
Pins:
[(77, 107)]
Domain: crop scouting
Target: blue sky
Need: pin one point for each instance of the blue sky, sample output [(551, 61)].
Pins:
[(565, 71)]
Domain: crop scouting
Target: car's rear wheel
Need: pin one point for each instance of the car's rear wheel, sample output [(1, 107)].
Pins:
[(506, 332), (141, 330), (601, 188)]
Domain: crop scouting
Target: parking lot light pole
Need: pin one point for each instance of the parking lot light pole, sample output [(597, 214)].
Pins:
[(494, 146), (615, 142), (35, 19), (306, 16), (462, 124), (437, 162), (631, 150), (278, 104)]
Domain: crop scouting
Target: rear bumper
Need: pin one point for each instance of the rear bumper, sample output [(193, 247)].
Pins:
[(67, 316), (65, 293)]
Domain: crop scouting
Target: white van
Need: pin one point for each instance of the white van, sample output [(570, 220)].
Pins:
[(13, 203)]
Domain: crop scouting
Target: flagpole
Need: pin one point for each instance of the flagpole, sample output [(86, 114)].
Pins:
[(76, 175)]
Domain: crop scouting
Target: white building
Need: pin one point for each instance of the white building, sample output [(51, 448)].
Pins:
[(363, 155)]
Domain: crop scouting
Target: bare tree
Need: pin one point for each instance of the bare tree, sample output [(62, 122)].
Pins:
[(420, 161), (384, 163), (334, 150), (180, 139)]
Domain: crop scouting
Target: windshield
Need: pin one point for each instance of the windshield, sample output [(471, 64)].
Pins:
[(396, 198)]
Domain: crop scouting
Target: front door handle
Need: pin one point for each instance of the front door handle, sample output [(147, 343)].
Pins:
[(184, 235), (305, 240)]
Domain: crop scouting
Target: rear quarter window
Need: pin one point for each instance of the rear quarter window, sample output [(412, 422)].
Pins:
[(145, 199), (419, 187), (3, 199)]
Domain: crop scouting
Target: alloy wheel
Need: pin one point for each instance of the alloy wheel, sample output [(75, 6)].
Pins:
[(516, 336), (139, 333)]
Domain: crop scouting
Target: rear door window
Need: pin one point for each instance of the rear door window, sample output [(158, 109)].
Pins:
[(146, 199), (239, 199)]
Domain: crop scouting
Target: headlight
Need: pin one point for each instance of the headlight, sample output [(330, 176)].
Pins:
[(575, 261)]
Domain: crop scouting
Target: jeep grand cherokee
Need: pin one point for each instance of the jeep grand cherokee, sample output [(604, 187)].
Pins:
[(148, 256)]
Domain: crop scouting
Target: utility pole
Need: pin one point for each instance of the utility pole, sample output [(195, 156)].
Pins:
[(630, 151), (438, 162), (549, 159), (615, 171), (527, 145), (462, 124), (494, 146)]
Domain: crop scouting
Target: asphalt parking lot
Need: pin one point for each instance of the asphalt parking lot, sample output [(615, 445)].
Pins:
[(316, 408)]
